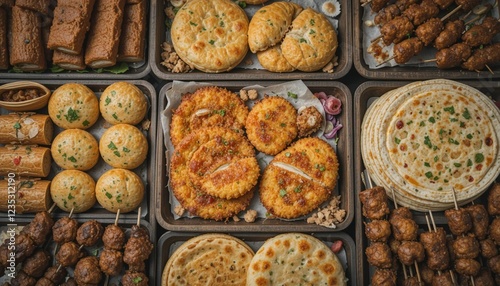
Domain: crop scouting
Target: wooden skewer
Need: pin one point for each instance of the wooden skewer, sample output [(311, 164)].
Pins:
[(432, 220), (366, 3), (489, 69), (430, 229), (385, 61), (452, 275), (418, 272), (451, 13), (139, 217), (394, 198), (107, 280), (411, 272), (117, 216), (404, 271), (52, 208)]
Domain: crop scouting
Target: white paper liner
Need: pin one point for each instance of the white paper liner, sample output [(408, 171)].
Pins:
[(304, 98), (429, 52), (250, 61)]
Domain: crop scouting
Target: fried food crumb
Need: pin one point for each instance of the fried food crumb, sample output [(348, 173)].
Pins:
[(252, 94), (250, 216), (309, 120), (179, 210), (172, 61), (330, 67), (244, 95), (145, 124), (330, 215), (236, 218)]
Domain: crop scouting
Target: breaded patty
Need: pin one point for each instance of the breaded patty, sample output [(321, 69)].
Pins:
[(207, 107), (191, 198), (272, 124), (224, 167), (299, 179), (286, 194), (315, 157)]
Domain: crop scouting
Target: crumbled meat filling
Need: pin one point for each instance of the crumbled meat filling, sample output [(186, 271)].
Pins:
[(20, 94), (251, 94), (330, 67), (330, 215), (250, 215), (172, 61)]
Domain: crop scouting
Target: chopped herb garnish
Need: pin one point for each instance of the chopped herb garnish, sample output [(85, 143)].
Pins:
[(282, 192), (409, 122), (72, 159), (298, 189), (422, 123), (469, 136), (311, 22), (126, 150), (107, 101), (458, 165), (112, 146), (85, 122), (211, 42), (427, 164), (432, 120), (72, 115), (115, 116), (469, 162), (453, 141), (17, 125), (427, 141), (428, 175), (397, 140), (466, 114), (436, 158), (478, 158), (450, 109), (117, 154), (193, 24), (302, 40), (70, 196), (109, 195), (292, 95), (312, 32)]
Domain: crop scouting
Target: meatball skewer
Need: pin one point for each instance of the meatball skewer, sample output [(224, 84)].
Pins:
[(111, 259), (137, 250), (438, 257), (410, 251)]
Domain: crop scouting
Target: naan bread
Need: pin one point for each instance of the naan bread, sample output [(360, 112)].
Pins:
[(429, 137), (295, 259), (209, 259)]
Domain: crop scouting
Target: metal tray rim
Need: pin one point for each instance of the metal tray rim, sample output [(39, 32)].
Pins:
[(349, 244), (219, 226), (154, 59)]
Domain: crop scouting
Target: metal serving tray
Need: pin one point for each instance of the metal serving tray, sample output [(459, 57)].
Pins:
[(126, 224), (158, 35), (364, 96), (145, 171), (405, 72), (344, 152), (170, 241), (135, 71)]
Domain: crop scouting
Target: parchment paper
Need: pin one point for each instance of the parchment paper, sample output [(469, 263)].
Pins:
[(370, 33), (304, 98)]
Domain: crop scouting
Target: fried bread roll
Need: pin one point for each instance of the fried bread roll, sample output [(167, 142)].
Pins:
[(25, 160), (4, 51), (71, 22), (132, 42), (26, 47), (26, 129), (102, 43), (68, 61), (31, 195), (42, 6)]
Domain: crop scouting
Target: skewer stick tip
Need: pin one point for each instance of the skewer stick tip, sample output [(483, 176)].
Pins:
[(394, 198), (117, 216), (139, 216), (429, 61), (376, 39), (432, 220), (428, 222), (52, 207), (472, 280), (385, 61), (454, 198), (418, 271), (489, 69), (451, 13), (71, 212), (106, 282)]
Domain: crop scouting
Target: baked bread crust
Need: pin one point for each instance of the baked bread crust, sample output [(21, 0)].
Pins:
[(123, 102), (311, 43), (273, 60), (123, 146), (73, 189), (119, 189), (75, 149), (210, 35), (270, 24)]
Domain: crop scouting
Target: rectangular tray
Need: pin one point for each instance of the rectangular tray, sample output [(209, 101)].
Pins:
[(135, 71), (344, 152), (158, 34), (405, 72), (362, 97), (146, 170), (126, 224), (170, 241)]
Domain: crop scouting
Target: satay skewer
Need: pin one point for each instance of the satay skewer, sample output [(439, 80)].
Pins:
[(106, 280), (430, 228)]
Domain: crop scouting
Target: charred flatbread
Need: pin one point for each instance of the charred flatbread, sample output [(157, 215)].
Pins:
[(209, 259), (295, 259), (429, 137)]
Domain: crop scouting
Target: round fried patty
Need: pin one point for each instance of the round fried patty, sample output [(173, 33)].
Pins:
[(272, 124), (191, 198), (299, 179), (207, 107)]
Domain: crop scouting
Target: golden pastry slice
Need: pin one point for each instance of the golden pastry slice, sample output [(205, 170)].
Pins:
[(311, 43), (270, 24), (273, 60)]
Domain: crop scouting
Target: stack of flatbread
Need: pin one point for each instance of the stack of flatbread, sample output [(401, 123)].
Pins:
[(427, 138)]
